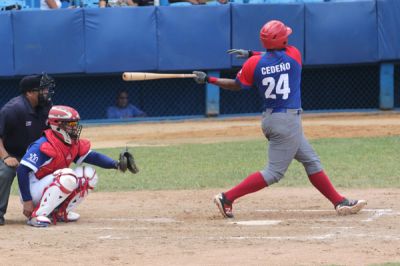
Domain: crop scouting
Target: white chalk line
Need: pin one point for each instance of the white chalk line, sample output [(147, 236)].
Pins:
[(333, 227), (110, 237), (149, 220), (315, 237), (381, 212), (257, 222), (328, 236), (342, 231), (322, 210), (376, 213), (135, 228)]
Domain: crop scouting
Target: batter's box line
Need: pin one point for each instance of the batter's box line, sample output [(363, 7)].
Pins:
[(148, 220), (375, 213), (323, 210), (328, 236)]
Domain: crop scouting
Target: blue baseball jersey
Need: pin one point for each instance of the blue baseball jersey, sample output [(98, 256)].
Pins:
[(277, 77), (34, 158)]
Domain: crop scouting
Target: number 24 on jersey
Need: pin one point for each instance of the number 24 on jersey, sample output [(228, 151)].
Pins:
[(281, 87)]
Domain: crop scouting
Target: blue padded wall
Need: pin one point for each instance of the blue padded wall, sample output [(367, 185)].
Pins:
[(193, 37), (341, 33), (6, 44), (388, 29), (120, 39), (247, 21), (184, 38), (50, 41)]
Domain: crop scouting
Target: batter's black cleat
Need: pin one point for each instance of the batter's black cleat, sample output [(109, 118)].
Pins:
[(347, 206), (224, 205)]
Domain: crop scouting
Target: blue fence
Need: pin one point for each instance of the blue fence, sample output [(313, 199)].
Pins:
[(397, 86), (330, 88)]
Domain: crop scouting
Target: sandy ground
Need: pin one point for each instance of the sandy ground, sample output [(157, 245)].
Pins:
[(216, 130), (276, 226)]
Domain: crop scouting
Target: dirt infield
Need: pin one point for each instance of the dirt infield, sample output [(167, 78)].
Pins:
[(216, 130), (276, 226)]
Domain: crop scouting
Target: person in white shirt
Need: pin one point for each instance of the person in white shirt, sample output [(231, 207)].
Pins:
[(116, 3), (50, 4)]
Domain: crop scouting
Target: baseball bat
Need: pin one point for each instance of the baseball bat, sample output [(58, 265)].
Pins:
[(131, 76)]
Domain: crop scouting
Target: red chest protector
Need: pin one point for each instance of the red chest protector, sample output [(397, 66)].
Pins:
[(61, 153)]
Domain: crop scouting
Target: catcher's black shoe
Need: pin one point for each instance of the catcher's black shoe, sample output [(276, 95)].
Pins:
[(224, 205), (347, 206)]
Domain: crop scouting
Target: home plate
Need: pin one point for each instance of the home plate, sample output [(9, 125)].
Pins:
[(257, 222)]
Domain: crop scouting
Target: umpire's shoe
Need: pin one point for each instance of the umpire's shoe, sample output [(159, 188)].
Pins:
[(347, 206), (2, 220), (224, 205)]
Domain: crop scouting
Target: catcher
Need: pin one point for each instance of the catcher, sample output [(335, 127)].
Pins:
[(49, 189)]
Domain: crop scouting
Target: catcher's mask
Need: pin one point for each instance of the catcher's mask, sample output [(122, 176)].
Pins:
[(43, 84), (274, 35), (64, 121)]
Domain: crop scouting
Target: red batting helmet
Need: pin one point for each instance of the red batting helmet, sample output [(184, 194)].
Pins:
[(64, 121), (274, 35)]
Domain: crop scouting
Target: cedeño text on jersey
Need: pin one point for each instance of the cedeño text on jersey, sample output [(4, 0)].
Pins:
[(275, 69)]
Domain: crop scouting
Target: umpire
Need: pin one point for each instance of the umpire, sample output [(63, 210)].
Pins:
[(22, 121)]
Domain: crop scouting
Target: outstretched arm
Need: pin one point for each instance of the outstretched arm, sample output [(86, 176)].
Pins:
[(241, 53), (124, 162), (227, 84), (99, 159)]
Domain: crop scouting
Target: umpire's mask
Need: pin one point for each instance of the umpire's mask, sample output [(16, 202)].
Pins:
[(46, 89)]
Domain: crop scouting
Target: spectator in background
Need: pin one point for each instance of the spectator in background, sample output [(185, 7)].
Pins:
[(188, 2), (116, 3), (22, 121), (123, 108), (144, 2), (217, 2), (50, 4), (11, 7)]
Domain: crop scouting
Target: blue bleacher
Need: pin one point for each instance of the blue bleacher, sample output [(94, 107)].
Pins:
[(312, 1), (180, 4), (280, 1), (95, 3), (254, 1), (91, 3)]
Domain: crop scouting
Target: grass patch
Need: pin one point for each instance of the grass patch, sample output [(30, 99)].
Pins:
[(387, 264), (355, 162)]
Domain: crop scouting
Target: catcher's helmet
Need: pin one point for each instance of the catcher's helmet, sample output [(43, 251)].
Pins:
[(274, 35), (64, 121), (39, 83)]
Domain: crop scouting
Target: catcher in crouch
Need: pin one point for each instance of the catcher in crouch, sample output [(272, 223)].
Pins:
[(49, 189)]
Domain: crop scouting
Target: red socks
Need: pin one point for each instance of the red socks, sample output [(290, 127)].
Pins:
[(255, 182), (321, 181), (250, 184)]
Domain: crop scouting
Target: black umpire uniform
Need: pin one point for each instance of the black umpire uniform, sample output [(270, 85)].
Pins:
[(22, 121)]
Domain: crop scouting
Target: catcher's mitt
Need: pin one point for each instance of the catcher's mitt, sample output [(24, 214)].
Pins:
[(127, 162)]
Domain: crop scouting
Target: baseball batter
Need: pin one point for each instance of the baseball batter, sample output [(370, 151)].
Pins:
[(276, 74)]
